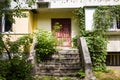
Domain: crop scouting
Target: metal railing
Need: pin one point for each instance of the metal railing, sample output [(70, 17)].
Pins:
[(113, 59)]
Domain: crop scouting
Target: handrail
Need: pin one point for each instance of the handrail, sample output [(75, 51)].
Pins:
[(87, 63)]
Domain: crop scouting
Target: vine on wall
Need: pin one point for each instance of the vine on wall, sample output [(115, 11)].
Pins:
[(97, 38)]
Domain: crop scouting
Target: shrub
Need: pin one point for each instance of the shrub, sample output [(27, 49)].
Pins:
[(15, 69), (25, 43), (45, 45)]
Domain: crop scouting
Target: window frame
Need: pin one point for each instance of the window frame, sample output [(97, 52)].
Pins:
[(3, 25), (114, 26)]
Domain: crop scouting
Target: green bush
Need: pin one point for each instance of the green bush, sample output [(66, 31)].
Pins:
[(16, 66), (45, 45), (15, 69), (25, 43)]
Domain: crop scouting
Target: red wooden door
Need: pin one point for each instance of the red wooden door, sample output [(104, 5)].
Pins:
[(64, 33)]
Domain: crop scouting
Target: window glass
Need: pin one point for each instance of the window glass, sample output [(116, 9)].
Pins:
[(0, 24), (8, 24), (118, 23)]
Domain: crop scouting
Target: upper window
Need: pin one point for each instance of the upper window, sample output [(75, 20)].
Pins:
[(8, 24), (0, 24), (116, 24), (5, 24)]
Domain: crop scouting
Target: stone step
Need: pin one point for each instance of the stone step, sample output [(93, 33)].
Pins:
[(66, 56), (62, 59), (62, 63), (68, 52), (58, 72), (53, 67)]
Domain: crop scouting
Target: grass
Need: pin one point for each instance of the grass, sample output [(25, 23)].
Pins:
[(54, 78), (110, 75)]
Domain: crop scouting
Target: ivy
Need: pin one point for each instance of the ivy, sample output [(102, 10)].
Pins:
[(80, 18), (97, 38)]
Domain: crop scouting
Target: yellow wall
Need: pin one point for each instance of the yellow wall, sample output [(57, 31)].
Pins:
[(34, 22), (44, 20), (21, 24), (21, 27), (30, 23)]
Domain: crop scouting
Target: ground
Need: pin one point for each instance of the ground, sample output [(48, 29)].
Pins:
[(112, 74)]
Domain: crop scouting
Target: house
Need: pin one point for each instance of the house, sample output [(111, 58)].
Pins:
[(46, 13)]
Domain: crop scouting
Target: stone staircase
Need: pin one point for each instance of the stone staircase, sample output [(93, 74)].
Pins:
[(62, 63)]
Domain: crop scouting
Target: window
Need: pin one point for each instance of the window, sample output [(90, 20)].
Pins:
[(116, 24), (0, 24), (113, 59), (6, 24)]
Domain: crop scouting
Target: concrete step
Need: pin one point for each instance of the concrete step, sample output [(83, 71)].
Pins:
[(59, 67), (62, 63), (58, 72)]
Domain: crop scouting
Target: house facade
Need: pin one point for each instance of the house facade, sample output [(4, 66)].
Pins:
[(46, 13)]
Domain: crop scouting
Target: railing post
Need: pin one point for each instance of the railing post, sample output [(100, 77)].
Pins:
[(87, 64)]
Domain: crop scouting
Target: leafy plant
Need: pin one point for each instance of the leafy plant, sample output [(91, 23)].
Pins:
[(96, 38), (80, 73), (67, 78), (19, 63), (49, 78), (45, 46), (57, 26), (16, 67), (74, 40), (25, 42)]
